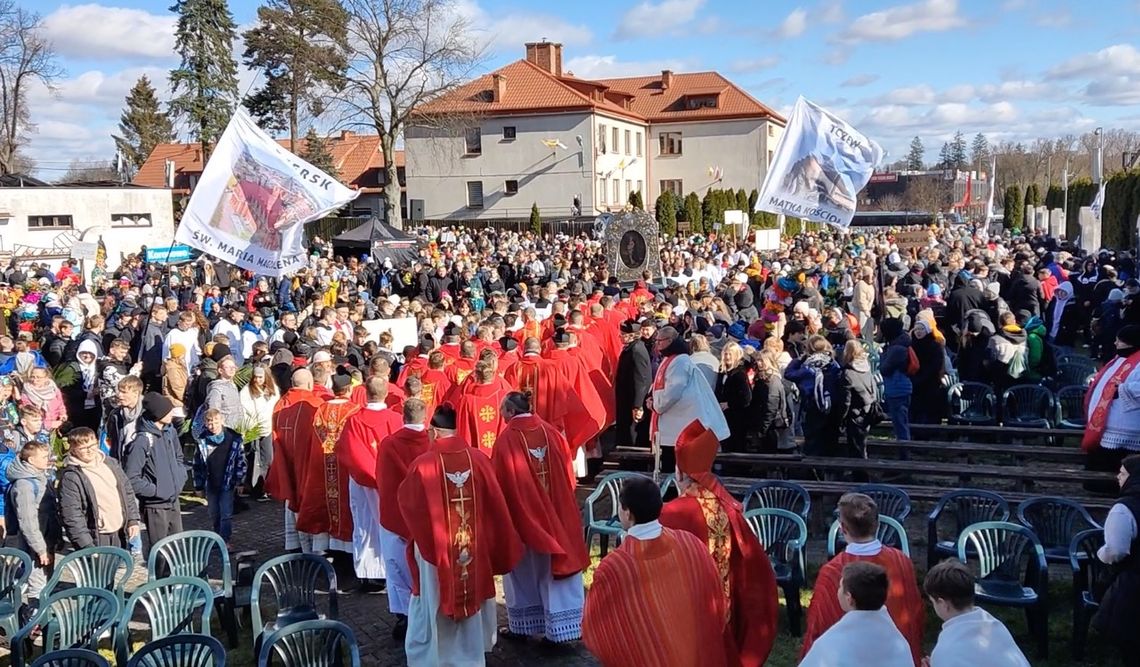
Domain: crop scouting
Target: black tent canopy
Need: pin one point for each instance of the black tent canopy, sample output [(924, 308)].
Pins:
[(381, 240)]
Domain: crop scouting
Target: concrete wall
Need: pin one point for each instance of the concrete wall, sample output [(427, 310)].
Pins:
[(739, 147), (438, 169), (90, 208)]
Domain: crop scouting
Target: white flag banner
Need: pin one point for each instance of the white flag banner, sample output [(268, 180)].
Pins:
[(821, 164), (253, 200), (993, 186), (1098, 201)]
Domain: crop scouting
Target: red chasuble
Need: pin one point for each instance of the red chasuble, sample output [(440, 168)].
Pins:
[(1103, 388), (458, 518), (714, 517), (477, 416), (435, 387), (580, 427), (635, 616), (393, 456), (324, 502), (415, 366), (532, 461), (395, 400), (458, 370), (356, 448), (609, 338), (450, 352), (292, 433), (905, 603), (507, 360), (589, 351)]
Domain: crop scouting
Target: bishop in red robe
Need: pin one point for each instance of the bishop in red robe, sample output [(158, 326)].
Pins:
[(706, 509), (393, 458), (462, 536), (637, 616), (356, 454), (859, 523), (532, 460), (293, 417), (325, 519)]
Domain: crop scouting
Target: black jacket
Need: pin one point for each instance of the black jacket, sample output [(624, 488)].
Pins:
[(733, 389), (54, 348), (78, 511), (632, 378), (1025, 294), (153, 463), (859, 392)]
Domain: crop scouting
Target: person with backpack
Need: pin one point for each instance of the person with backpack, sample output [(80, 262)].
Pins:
[(97, 505), (1008, 353), (1041, 362), (820, 382), (895, 366), (153, 464), (30, 517)]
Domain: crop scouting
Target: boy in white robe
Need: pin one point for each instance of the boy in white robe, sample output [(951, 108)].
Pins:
[(970, 636), (865, 636)]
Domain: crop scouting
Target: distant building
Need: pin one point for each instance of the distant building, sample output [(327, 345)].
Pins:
[(530, 133), (40, 222), (358, 160)]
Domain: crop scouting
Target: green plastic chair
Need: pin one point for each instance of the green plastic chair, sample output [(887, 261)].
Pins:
[(999, 547), (71, 657), (310, 644), (295, 579), (783, 535), (189, 554), (15, 568), (73, 618), (607, 525), (171, 605), (94, 567), (181, 651), (891, 533)]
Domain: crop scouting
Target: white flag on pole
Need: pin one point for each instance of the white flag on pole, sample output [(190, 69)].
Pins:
[(993, 186), (253, 200), (1098, 201), (821, 164)]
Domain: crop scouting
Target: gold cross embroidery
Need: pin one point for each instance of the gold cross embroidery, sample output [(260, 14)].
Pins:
[(487, 414)]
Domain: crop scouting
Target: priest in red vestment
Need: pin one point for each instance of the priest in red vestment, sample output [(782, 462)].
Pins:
[(859, 523), (292, 432), (416, 365), (608, 335), (356, 453), (434, 383), (450, 349), (580, 429), (706, 509), (657, 599), (532, 460), (476, 403), (325, 519), (395, 453), (378, 366), (460, 367), (508, 354), (462, 537)]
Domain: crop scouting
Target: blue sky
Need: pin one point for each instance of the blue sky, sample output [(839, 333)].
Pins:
[(1011, 69)]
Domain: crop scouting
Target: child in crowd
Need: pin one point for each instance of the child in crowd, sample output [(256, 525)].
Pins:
[(970, 635), (29, 429), (219, 468), (31, 518)]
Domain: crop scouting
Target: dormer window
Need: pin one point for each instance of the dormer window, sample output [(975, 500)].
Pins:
[(701, 102)]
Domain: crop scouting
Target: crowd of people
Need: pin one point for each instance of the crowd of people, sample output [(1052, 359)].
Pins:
[(437, 463)]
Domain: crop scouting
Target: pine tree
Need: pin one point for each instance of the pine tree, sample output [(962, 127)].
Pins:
[(753, 197), (666, 213), (1032, 196), (205, 84), (741, 200), (693, 212), (979, 151), (317, 152), (300, 46), (635, 201), (535, 219), (1014, 209), (1054, 197), (142, 126), (945, 156), (958, 152), (914, 155)]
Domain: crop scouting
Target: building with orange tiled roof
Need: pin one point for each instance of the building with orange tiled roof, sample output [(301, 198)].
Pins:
[(358, 160), (530, 133)]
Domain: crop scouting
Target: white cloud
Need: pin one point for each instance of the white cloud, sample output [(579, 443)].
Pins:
[(506, 32), (95, 32), (607, 67), (1018, 90), (753, 64), (859, 80), (649, 19), (794, 25), (1061, 18), (1113, 91), (1119, 59), (902, 21), (907, 96), (831, 12)]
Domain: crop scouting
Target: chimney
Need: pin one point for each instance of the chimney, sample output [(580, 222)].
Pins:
[(498, 87), (666, 79), (345, 134), (546, 56)]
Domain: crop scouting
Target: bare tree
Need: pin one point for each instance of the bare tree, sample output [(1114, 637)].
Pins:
[(889, 202), (87, 170), (26, 56), (401, 54)]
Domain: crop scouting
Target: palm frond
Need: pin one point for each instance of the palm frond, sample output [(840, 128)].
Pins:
[(65, 376)]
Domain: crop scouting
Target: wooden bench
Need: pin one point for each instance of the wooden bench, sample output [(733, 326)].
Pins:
[(1001, 432), (968, 450)]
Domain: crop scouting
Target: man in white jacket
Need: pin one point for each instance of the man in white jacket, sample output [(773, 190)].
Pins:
[(680, 394), (970, 635)]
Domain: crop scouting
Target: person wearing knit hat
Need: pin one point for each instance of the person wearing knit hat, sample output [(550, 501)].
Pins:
[(220, 351), (152, 461)]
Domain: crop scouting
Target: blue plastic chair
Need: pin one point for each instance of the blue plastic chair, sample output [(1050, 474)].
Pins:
[(295, 579), (108, 568), (999, 548), (972, 403), (670, 489), (1055, 522), (891, 533), (778, 494), (1073, 373), (181, 651), (1090, 580), (71, 657), (310, 644), (15, 568), (1028, 406), (190, 554), (73, 618), (970, 506), (783, 535), (607, 525), (890, 500), (1071, 407), (171, 605)]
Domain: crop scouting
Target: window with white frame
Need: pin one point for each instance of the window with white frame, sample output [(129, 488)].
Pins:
[(676, 186), (617, 191), (129, 220), (474, 194), (473, 141), (670, 143), (628, 188), (602, 138), (639, 184), (617, 134), (511, 188), (602, 189), (49, 222), (628, 142), (638, 144)]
